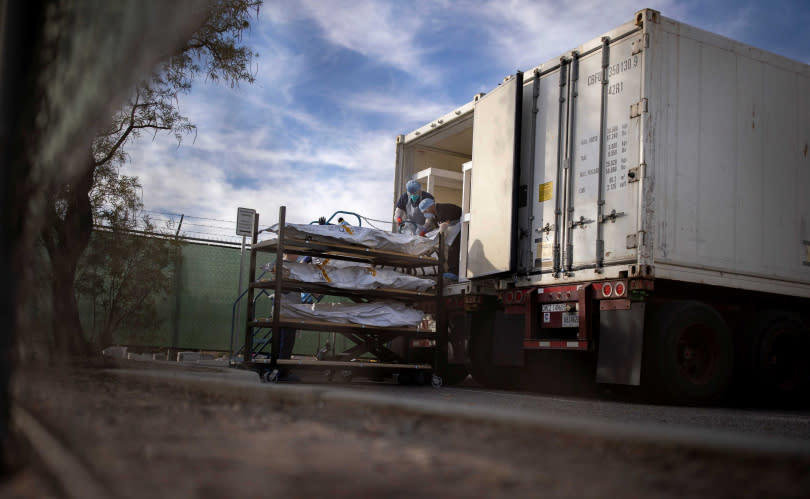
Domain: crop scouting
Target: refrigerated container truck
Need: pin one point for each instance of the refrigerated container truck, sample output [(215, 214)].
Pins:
[(641, 202)]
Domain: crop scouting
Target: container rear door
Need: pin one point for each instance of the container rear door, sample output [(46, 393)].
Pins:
[(601, 195), (492, 243), (550, 130)]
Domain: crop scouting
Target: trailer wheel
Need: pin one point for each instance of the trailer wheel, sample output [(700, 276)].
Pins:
[(482, 369), (455, 374), (405, 378), (781, 345), (688, 353)]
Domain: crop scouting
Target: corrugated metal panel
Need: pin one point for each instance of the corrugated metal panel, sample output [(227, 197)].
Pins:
[(729, 128)]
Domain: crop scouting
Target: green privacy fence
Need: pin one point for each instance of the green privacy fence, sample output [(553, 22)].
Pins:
[(197, 313)]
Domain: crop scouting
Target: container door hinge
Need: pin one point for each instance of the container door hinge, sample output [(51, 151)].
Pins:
[(637, 173), (610, 217), (635, 240), (581, 223), (546, 228), (641, 43), (638, 108)]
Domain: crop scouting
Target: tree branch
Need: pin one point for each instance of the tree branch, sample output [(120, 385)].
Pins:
[(122, 138)]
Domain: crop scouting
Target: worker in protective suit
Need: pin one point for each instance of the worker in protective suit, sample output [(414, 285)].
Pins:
[(441, 215), (407, 207)]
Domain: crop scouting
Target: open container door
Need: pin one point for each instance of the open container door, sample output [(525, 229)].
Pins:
[(492, 243)]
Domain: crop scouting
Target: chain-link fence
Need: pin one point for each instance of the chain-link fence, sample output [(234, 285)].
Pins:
[(200, 311)]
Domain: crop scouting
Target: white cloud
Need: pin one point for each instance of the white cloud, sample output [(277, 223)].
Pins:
[(198, 179), (525, 33), (383, 31), (200, 189), (408, 109)]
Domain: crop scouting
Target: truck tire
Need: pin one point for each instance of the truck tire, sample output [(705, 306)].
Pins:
[(482, 369), (455, 374), (458, 338), (781, 370), (688, 353)]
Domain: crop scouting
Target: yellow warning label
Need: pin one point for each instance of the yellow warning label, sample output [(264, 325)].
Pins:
[(545, 192), (322, 267)]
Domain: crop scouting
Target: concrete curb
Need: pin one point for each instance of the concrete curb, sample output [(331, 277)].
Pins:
[(245, 385)]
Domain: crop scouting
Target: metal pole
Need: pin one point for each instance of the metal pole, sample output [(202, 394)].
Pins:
[(238, 291), (247, 354), (275, 345)]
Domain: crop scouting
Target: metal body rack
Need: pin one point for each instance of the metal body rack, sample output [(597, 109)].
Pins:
[(367, 339)]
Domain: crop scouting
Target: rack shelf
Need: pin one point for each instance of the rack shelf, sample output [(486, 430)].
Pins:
[(396, 294), (340, 251), (341, 327), (368, 339)]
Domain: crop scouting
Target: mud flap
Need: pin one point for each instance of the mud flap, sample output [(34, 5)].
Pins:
[(621, 336), (507, 349)]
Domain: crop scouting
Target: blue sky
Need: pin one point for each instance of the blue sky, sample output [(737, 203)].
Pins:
[(337, 81)]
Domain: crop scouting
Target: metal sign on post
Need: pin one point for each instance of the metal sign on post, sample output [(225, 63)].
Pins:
[(244, 221), (244, 228)]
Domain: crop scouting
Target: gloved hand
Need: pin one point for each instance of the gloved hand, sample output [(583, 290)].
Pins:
[(421, 230), (399, 220), (322, 221)]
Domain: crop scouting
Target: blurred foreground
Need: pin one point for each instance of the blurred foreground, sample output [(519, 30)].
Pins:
[(170, 436)]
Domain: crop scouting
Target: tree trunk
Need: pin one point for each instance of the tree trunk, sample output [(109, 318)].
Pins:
[(66, 235), (68, 333)]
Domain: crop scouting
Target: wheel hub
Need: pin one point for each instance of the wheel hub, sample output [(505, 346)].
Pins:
[(698, 354)]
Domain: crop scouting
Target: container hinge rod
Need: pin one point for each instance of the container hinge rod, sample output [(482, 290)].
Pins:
[(612, 216), (600, 255), (582, 222), (638, 108)]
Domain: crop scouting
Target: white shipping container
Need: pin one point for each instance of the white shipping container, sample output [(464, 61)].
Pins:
[(657, 150)]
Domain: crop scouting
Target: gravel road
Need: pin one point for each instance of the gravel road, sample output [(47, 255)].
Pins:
[(197, 433)]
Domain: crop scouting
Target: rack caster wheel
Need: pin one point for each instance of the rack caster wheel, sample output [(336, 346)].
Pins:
[(270, 376), (347, 376), (330, 375), (436, 381)]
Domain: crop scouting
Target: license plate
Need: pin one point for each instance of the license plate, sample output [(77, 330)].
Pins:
[(570, 319)]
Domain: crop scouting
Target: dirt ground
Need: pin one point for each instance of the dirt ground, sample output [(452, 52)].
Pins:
[(155, 439)]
